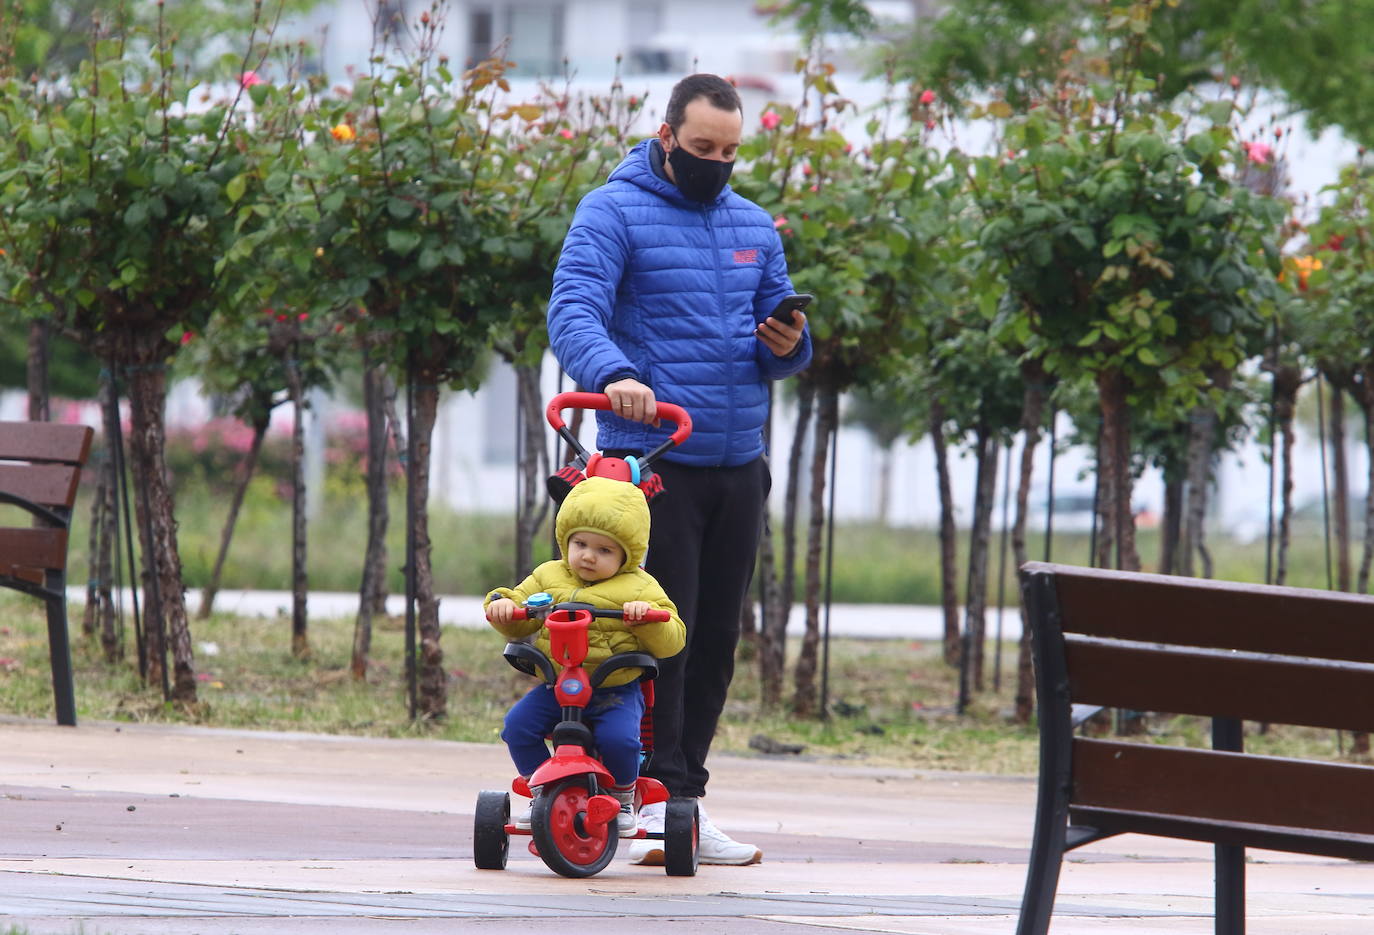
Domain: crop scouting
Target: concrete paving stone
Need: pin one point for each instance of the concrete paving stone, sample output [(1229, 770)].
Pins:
[(253, 833)]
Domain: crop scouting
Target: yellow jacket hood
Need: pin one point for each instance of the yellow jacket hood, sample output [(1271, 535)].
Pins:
[(612, 508)]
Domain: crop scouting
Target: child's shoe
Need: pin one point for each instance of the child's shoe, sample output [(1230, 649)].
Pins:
[(522, 821), (627, 822)]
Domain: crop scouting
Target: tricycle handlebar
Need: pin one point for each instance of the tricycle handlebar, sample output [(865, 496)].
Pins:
[(653, 616)]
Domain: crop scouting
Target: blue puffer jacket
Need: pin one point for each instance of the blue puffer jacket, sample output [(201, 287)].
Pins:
[(669, 291)]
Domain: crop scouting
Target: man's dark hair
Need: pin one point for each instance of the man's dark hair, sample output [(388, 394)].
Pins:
[(720, 93)]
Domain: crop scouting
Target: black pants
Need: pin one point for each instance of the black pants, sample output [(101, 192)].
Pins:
[(702, 546)]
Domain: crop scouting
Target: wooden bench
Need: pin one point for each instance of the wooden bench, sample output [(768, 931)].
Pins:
[(40, 467), (1231, 652)]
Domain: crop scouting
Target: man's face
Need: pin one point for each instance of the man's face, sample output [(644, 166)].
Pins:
[(706, 131)]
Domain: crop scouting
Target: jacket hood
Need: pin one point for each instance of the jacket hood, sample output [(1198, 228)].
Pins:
[(612, 508), (637, 168)]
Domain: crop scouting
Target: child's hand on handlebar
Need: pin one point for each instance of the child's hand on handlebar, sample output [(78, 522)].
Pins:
[(502, 610), (635, 612)]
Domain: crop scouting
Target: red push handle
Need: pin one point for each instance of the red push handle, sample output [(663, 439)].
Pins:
[(674, 414)]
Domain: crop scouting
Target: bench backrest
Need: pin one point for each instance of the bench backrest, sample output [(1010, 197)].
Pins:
[(1215, 649), (40, 464)]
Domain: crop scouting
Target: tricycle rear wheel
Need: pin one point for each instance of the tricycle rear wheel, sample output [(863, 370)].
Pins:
[(681, 837), (566, 841), (490, 842)]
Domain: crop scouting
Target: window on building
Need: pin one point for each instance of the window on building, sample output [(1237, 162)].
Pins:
[(481, 34), (536, 38)]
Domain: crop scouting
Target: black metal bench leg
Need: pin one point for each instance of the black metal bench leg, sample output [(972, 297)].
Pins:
[(60, 651), (1046, 858), (1230, 898)]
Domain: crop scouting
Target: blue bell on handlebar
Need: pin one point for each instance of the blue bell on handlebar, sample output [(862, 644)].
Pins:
[(537, 602)]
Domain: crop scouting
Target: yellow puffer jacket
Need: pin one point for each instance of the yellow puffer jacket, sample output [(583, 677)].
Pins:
[(615, 509)]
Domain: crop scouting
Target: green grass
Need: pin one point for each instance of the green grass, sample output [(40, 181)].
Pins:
[(894, 698)]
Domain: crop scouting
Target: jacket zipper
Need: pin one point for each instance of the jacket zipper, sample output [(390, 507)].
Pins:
[(724, 332)]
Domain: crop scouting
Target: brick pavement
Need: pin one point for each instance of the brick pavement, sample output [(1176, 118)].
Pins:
[(157, 829)]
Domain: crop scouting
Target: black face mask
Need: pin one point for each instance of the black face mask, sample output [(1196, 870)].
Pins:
[(698, 179)]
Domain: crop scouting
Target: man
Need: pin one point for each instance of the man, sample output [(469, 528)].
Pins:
[(663, 290)]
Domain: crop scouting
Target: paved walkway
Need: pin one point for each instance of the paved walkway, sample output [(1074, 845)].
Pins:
[(149, 830), (870, 621)]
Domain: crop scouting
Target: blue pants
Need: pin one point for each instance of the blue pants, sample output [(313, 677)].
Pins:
[(613, 714)]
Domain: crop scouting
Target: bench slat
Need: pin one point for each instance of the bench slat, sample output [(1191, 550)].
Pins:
[(52, 485), (1212, 785), (45, 441), (1238, 834), (32, 548), (1308, 692), (1219, 614)]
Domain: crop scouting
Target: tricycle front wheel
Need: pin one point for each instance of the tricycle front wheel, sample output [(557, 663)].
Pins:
[(569, 843)]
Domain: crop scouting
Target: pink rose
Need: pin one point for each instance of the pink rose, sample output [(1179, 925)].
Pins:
[(1261, 154), (770, 120), (249, 78), (927, 96)]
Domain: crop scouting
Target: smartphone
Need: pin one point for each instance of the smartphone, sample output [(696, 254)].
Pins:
[(789, 305)]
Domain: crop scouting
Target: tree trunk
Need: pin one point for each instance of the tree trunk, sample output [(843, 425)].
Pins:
[(432, 689), (1287, 381), (372, 589), (1100, 547), (534, 469), (300, 585), (40, 408), (164, 600), (1032, 415), (884, 486), (1202, 427), (1341, 483), (949, 584), (246, 470), (1116, 442), (381, 414), (773, 632), (102, 557), (90, 617), (804, 698), (1367, 410), (1171, 525), (976, 594)]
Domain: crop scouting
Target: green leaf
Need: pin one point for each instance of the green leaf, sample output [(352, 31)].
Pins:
[(1219, 111), (235, 187), (1196, 199), (1147, 356), (429, 259), (400, 208), (136, 215), (402, 241), (333, 201)]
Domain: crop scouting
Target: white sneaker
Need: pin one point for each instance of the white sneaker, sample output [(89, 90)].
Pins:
[(522, 821), (713, 846), (645, 851), (626, 824), (717, 847)]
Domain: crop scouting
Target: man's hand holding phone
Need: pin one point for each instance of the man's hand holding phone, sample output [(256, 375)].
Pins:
[(781, 331)]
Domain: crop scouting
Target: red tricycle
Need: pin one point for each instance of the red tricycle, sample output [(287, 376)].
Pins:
[(573, 818)]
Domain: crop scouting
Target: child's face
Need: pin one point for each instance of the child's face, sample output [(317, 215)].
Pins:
[(594, 557)]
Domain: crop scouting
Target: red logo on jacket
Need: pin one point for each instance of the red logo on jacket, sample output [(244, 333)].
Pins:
[(746, 256)]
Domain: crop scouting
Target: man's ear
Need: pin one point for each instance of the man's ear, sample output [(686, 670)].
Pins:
[(665, 134)]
